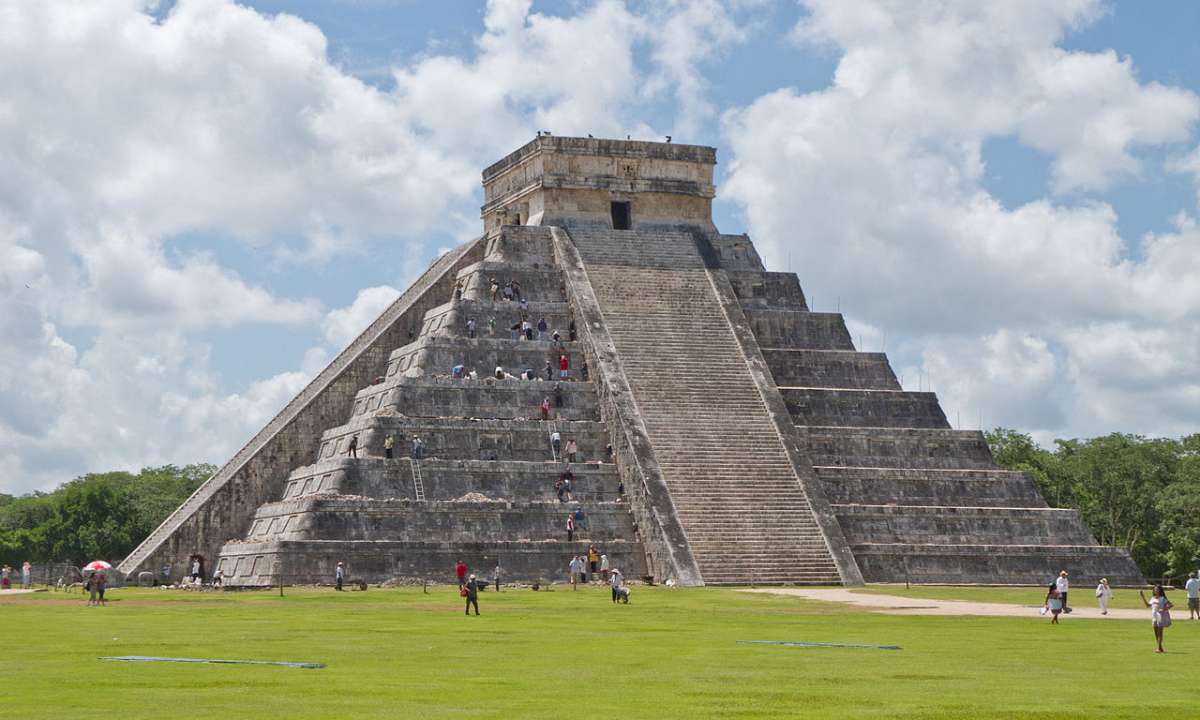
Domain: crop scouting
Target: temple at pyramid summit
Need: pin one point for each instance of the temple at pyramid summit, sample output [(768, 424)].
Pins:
[(603, 356)]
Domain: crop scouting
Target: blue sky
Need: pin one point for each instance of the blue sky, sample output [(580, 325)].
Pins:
[(202, 202)]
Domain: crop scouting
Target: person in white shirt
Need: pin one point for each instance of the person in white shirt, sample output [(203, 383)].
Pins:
[(615, 582), (576, 569), (1160, 612), (1103, 595), (604, 566), (195, 569), (1061, 585), (1193, 593)]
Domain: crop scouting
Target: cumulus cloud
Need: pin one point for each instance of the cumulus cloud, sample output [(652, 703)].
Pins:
[(878, 180), (342, 325)]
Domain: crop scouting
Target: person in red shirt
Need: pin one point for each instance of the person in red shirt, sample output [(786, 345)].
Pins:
[(461, 571), (564, 366)]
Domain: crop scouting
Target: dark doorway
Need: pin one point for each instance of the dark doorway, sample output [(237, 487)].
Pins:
[(620, 216)]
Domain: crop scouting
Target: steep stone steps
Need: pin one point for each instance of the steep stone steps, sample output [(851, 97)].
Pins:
[(789, 328), (451, 318), (437, 355), (678, 350)]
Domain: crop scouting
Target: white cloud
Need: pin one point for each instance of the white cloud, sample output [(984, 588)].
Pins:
[(342, 325), (878, 180)]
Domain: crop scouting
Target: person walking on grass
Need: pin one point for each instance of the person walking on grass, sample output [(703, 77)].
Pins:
[(1193, 596), (574, 570), (1160, 613), (339, 576), (496, 575), (26, 580), (1054, 603), (472, 594), (604, 566), (460, 570), (1061, 584), (593, 561), (5, 577), (614, 582), (1103, 595)]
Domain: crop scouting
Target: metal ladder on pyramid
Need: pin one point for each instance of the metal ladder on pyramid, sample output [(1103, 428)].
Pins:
[(418, 485)]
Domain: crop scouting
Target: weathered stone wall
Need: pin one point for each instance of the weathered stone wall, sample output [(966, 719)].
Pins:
[(221, 508)]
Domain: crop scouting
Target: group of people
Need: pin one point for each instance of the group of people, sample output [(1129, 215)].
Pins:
[(6, 576), (1158, 604), (592, 567)]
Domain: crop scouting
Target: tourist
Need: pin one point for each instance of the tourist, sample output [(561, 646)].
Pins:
[(571, 331), (567, 476), (1193, 596), (572, 451), (558, 489), (542, 328), (564, 366), (495, 289), (545, 408), (492, 327), (471, 328), (457, 372), (570, 528), (555, 443), (604, 566), (389, 444), (1054, 603), (576, 568), (583, 370), (549, 371), (558, 395), (90, 588), (526, 330), (26, 580), (472, 590), (339, 576), (195, 568), (615, 583), (418, 448), (579, 516), (514, 331), (352, 450), (1160, 612), (508, 291), (218, 578), (458, 288), (593, 561), (1103, 595), (524, 305), (5, 577), (620, 490), (460, 570), (516, 288), (496, 575), (1062, 585)]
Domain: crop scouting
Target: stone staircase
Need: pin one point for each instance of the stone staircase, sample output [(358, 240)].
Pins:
[(745, 514), (484, 487)]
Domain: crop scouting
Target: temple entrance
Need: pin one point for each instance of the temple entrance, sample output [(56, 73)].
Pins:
[(621, 216)]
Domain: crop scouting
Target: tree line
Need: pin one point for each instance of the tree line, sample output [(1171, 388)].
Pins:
[(96, 516), (1137, 493)]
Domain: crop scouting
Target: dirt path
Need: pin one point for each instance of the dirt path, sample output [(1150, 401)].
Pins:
[(18, 591), (896, 605)]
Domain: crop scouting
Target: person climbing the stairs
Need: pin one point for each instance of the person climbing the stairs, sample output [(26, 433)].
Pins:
[(542, 328), (352, 450), (545, 407), (570, 528), (564, 366)]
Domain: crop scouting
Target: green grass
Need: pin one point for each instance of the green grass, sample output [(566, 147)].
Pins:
[(670, 653), (1029, 596)]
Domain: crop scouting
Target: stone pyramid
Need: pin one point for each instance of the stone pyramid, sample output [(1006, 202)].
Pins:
[(724, 433)]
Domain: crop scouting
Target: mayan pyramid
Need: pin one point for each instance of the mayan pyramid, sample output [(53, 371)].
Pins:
[(724, 433)]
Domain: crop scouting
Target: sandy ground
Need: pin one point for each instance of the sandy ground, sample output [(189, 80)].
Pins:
[(18, 591), (895, 605)]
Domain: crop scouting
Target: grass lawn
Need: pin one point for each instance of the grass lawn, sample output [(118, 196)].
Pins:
[(1029, 596), (670, 653)]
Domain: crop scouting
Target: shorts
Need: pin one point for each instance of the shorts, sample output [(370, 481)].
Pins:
[(1194, 603)]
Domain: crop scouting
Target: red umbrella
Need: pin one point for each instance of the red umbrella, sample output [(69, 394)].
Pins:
[(97, 566)]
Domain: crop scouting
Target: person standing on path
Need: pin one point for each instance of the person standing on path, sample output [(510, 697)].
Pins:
[(26, 580), (1193, 595), (460, 569), (472, 589), (339, 575), (1160, 613), (352, 451), (1103, 595), (1054, 603), (389, 444), (1062, 585)]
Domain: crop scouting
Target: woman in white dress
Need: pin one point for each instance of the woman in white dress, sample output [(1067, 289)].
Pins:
[(1103, 595), (1160, 612)]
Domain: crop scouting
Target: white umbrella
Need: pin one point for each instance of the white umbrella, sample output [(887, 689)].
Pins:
[(97, 566)]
